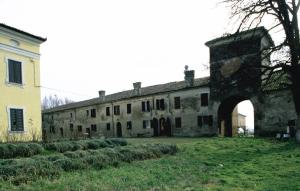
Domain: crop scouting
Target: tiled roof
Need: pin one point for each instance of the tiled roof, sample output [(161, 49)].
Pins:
[(150, 90), (23, 32)]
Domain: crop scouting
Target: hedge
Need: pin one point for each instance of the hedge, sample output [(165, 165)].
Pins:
[(19, 171), (15, 150)]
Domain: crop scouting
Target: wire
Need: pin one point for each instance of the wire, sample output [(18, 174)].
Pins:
[(64, 91)]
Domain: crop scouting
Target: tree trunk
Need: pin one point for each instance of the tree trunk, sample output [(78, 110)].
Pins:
[(298, 129)]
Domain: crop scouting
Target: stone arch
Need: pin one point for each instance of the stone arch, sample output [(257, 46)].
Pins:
[(225, 110)]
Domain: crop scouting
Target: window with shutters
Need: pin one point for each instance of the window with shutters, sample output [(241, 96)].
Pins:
[(117, 110), (14, 71), (145, 106), (129, 125), (204, 99), (128, 108), (178, 122), (79, 128), (93, 113), (108, 126), (146, 124), (160, 104), (94, 127), (16, 120), (206, 120), (107, 111), (177, 102)]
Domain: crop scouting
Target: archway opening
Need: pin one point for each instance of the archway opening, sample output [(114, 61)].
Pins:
[(236, 117)]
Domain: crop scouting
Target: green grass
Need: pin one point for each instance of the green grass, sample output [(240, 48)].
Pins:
[(200, 164)]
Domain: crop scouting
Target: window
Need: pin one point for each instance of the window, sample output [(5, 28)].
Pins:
[(16, 120), (79, 128), (14, 71), (145, 106), (94, 127), (52, 129), (178, 122), (107, 111), (71, 127), (204, 99), (87, 113), (160, 104), (177, 102), (71, 115), (146, 124), (108, 126), (93, 113), (205, 121), (129, 125), (117, 110), (128, 108)]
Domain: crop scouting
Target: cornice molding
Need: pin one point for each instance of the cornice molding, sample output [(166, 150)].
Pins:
[(19, 51)]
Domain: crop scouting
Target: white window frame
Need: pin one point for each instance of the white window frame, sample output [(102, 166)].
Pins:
[(7, 72), (9, 122)]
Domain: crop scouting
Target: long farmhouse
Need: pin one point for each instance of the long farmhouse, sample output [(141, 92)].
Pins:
[(193, 107)]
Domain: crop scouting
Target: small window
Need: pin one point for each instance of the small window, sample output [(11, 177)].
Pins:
[(117, 110), (146, 124), (129, 125), (71, 115), (204, 99), (79, 128), (108, 126), (145, 106), (14, 71), (128, 108), (71, 127), (93, 113), (178, 122), (160, 104), (107, 111), (177, 102), (87, 113), (16, 120), (94, 127)]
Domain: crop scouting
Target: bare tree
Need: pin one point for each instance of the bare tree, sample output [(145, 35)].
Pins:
[(52, 101), (252, 13)]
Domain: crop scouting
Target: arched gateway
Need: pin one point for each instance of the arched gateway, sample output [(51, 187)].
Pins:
[(236, 75)]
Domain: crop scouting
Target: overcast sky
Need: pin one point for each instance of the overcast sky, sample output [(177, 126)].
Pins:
[(109, 44)]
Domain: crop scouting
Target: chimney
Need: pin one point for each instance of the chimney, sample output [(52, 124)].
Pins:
[(101, 95), (189, 77), (137, 88)]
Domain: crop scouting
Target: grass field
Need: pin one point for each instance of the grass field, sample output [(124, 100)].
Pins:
[(200, 164)]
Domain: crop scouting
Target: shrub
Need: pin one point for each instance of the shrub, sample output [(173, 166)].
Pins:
[(35, 148)]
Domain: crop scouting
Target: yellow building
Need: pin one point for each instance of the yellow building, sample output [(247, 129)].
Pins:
[(20, 105)]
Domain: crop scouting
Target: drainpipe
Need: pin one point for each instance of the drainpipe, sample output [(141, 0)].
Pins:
[(112, 119)]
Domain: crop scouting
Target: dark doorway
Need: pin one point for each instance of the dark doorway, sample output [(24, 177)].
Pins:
[(88, 132), (230, 121), (155, 127), (168, 127), (119, 129), (162, 126)]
